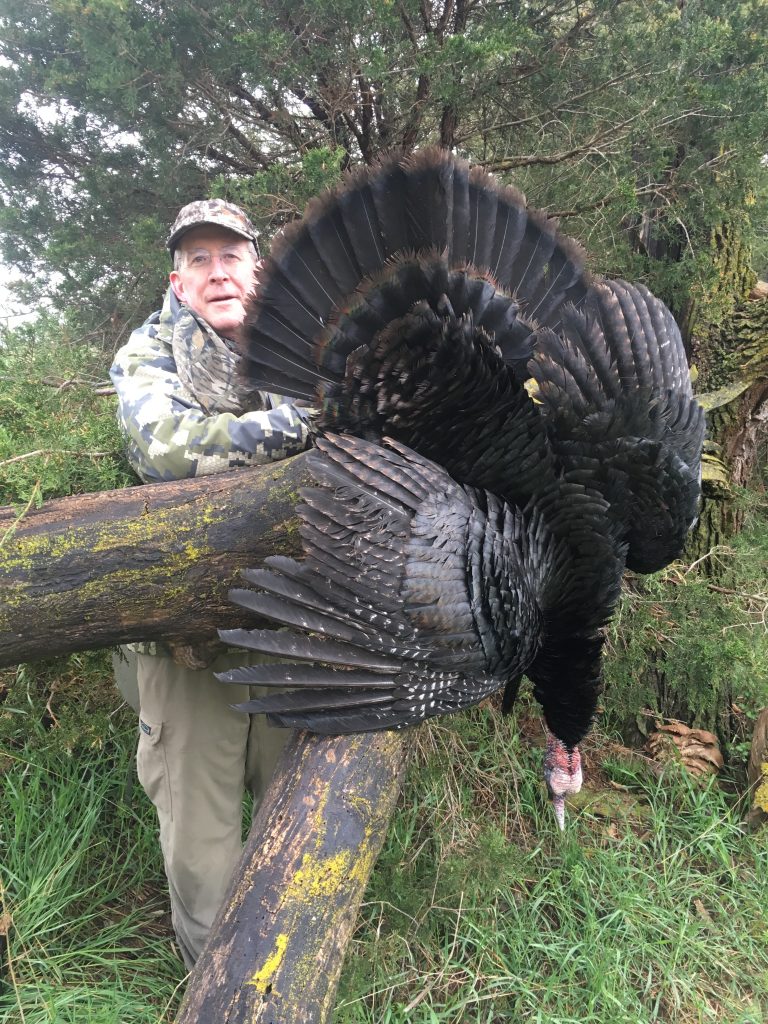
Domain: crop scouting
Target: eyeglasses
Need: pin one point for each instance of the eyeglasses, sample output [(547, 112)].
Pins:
[(202, 260)]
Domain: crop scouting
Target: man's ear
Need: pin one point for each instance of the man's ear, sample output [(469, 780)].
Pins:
[(178, 287)]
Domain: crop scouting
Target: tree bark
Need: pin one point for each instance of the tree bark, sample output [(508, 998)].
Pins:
[(276, 948), (737, 419), (737, 422), (144, 563), (757, 772)]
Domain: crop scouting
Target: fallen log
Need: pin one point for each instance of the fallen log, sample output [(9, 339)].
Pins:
[(143, 563), (276, 949)]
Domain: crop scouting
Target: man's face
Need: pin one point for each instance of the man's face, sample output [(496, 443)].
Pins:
[(217, 274)]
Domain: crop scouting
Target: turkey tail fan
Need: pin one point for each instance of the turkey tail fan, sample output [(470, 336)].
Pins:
[(429, 200), (496, 255), (407, 342), (483, 208), (523, 250), (428, 607), (616, 395)]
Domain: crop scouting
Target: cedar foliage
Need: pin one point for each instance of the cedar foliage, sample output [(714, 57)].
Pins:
[(638, 123)]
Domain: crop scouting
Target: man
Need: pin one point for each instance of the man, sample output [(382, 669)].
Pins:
[(182, 406)]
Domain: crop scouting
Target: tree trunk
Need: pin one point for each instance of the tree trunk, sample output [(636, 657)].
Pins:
[(737, 420), (735, 355), (757, 772), (276, 948), (144, 563)]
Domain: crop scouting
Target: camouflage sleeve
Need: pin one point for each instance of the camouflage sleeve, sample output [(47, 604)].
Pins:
[(169, 435)]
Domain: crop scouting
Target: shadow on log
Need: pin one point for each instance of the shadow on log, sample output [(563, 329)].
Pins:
[(276, 949)]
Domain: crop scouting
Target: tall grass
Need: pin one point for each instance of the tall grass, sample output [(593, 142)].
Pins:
[(82, 892), (479, 911), (650, 908), (58, 430)]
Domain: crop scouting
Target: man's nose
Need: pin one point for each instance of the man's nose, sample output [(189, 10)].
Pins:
[(218, 268)]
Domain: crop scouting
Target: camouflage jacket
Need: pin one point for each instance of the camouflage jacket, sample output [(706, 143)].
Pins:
[(170, 435)]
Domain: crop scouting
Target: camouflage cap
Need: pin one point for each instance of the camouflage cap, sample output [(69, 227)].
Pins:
[(212, 211)]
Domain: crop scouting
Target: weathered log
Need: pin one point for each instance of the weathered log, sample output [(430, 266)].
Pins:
[(144, 563), (276, 949)]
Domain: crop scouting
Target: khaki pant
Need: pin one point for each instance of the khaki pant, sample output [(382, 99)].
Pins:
[(195, 757)]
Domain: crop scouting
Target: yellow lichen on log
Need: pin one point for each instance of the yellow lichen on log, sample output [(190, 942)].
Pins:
[(276, 949), (757, 771), (143, 563)]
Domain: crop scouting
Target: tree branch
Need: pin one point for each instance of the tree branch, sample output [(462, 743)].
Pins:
[(609, 134), (409, 26), (411, 130), (209, 91), (278, 119)]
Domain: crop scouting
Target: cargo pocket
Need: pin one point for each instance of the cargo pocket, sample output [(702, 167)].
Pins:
[(152, 766)]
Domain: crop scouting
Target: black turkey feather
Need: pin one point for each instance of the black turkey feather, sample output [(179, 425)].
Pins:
[(499, 435), (623, 416), (459, 561)]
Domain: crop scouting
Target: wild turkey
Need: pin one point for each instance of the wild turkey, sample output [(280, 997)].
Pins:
[(461, 533)]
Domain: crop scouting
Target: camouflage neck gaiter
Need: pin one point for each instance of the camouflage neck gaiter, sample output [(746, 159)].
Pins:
[(208, 367)]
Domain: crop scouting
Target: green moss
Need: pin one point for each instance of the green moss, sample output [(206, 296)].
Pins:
[(733, 353)]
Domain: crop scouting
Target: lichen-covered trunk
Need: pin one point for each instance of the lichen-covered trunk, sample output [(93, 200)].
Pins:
[(277, 946), (737, 421), (144, 563), (757, 773)]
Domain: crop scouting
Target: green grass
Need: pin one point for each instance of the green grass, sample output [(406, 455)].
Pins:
[(650, 908), (691, 641), (58, 433), (82, 890), (480, 912)]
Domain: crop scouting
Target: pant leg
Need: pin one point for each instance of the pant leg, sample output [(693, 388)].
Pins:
[(191, 763), (265, 744), (125, 668)]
